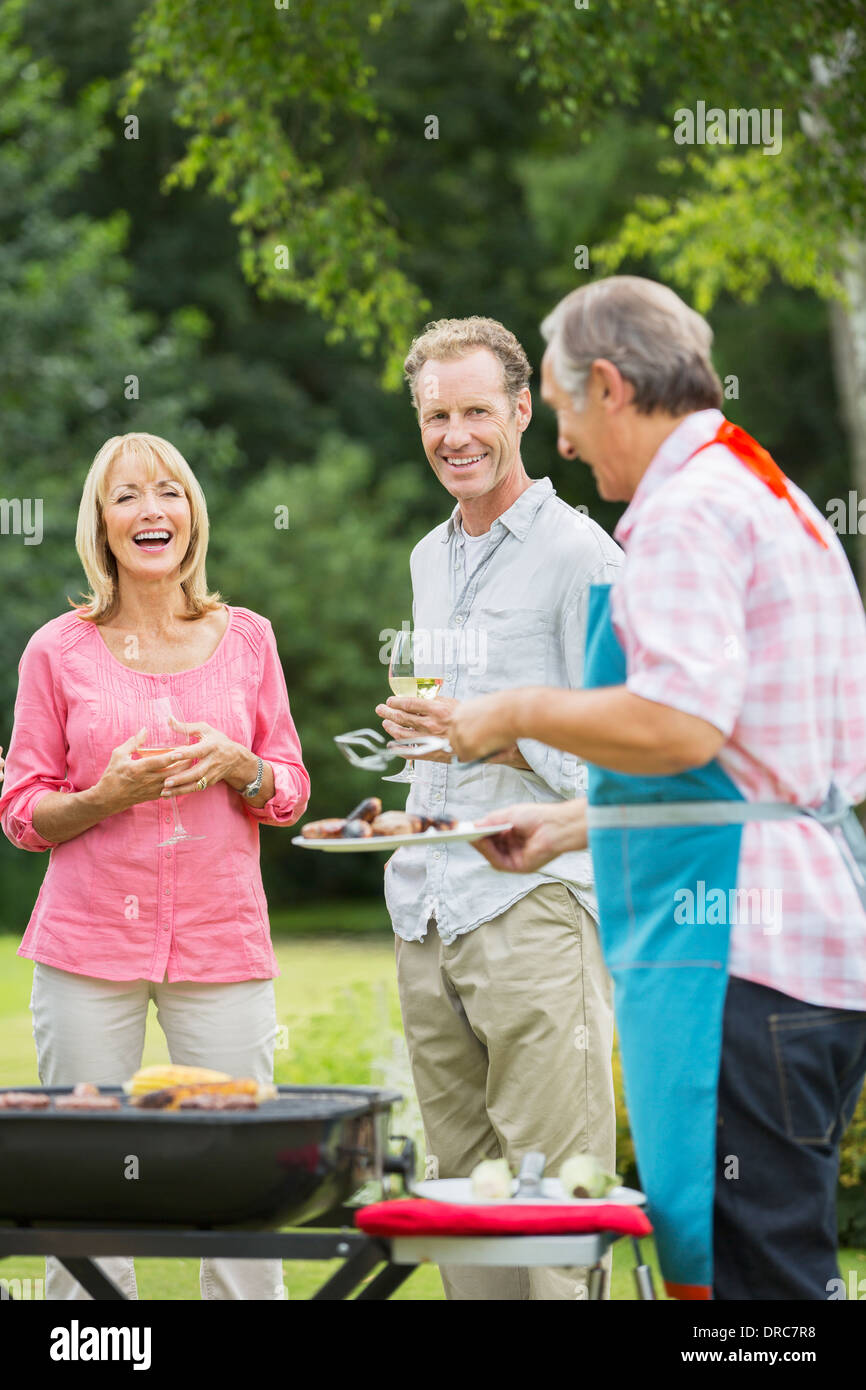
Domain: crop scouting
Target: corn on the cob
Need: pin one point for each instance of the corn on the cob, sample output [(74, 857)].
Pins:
[(170, 1097), (159, 1077)]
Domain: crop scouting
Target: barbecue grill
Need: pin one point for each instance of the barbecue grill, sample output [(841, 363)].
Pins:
[(290, 1161), (136, 1181)]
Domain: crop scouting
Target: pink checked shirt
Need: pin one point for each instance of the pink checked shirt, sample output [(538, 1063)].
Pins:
[(727, 609), (112, 904)]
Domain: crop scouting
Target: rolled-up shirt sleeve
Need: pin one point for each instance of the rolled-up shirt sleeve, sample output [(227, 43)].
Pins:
[(276, 742), (37, 759), (679, 612)]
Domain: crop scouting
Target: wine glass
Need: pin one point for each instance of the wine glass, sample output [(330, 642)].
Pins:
[(409, 676), (162, 737)]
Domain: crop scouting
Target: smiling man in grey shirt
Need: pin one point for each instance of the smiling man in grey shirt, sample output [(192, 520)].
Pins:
[(505, 996)]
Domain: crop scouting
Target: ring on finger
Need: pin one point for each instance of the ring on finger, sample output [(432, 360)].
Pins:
[(201, 784)]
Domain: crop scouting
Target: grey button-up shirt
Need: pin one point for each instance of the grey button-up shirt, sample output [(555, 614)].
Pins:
[(518, 619)]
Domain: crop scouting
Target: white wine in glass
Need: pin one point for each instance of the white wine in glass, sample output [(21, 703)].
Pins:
[(404, 680), (420, 687)]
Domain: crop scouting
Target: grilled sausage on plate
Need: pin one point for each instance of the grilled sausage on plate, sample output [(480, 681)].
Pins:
[(324, 829), (397, 823), (357, 830), (366, 810)]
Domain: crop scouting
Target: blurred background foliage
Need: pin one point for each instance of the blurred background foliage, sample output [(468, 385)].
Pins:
[(274, 398)]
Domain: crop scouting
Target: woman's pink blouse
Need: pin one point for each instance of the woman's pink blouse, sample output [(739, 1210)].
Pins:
[(113, 905)]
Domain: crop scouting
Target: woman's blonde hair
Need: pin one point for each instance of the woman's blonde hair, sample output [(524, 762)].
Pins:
[(91, 541)]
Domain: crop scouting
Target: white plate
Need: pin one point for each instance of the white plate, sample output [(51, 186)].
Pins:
[(459, 1190), (466, 830)]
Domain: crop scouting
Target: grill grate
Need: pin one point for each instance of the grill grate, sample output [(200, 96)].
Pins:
[(290, 1104)]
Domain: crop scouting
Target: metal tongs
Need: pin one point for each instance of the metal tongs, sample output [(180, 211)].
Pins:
[(380, 753)]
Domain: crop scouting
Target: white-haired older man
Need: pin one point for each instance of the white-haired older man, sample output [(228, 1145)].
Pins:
[(505, 997), (725, 733)]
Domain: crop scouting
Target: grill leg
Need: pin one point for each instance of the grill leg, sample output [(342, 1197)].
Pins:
[(595, 1283), (91, 1278), (386, 1281), (351, 1272), (643, 1275)]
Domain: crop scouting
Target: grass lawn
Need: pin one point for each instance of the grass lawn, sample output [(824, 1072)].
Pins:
[(337, 999)]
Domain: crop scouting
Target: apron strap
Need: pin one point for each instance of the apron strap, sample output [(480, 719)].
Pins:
[(764, 466), (667, 813), (834, 811)]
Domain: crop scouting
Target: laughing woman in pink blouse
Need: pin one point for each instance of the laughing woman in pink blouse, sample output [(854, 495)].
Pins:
[(122, 916)]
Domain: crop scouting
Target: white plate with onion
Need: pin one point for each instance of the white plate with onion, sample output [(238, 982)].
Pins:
[(459, 1191)]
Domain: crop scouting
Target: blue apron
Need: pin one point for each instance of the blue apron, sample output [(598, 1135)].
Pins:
[(670, 978), (665, 853)]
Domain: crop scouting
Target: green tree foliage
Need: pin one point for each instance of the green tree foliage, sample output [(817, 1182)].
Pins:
[(743, 220), (567, 137), (772, 358), (727, 53), (71, 336), (294, 161), (301, 161)]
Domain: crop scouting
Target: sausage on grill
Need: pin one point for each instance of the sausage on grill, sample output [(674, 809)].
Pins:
[(24, 1100), (219, 1103), (87, 1102)]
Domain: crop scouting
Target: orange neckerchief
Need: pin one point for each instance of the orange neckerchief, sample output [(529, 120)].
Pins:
[(759, 462)]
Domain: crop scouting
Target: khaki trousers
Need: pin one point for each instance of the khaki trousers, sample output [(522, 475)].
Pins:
[(510, 1033)]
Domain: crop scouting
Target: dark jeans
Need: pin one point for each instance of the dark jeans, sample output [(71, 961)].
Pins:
[(790, 1077)]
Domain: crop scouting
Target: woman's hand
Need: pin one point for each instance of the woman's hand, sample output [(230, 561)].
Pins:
[(215, 758), (539, 832), (128, 781)]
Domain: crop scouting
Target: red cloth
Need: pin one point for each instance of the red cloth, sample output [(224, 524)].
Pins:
[(419, 1216)]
